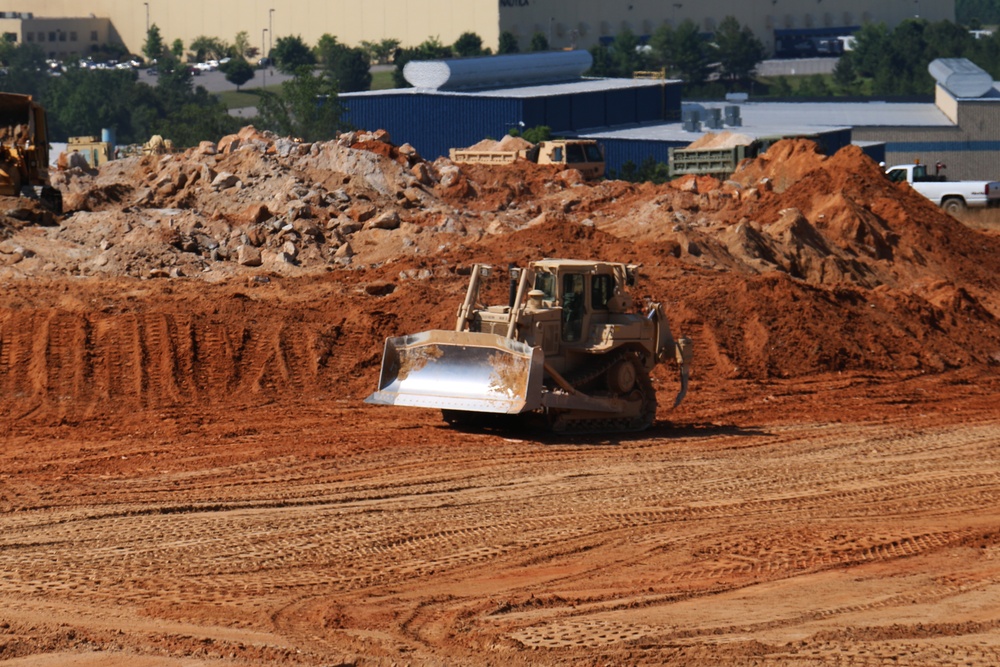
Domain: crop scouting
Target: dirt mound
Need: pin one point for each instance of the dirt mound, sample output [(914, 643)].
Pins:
[(725, 139), (263, 267)]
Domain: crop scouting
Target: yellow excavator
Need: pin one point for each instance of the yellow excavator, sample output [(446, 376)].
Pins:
[(24, 151)]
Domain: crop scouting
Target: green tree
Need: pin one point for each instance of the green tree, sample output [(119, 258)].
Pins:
[(351, 71), (81, 101), (845, 76), (691, 53), (380, 52), (508, 43), (154, 47), (349, 67), (781, 87), (539, 42), (981, 11), (25, 64), (814, 85), (291, 53), (602, 63), (208, 48), (871, 49), (468, 44), (307, 107), (650, 171), (738, 49), (177, 48), (625, 54), (238, 71), (241, 45), (535, 135), (200, 117), (682, 51)]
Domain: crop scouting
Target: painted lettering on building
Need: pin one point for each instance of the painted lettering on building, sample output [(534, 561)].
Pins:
[(514, 3)]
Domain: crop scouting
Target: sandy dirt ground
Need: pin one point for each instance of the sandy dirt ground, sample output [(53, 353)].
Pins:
[(845, 520), (189, 475)]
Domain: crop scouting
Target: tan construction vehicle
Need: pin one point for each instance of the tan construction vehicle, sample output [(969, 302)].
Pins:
[(584, 155), (24, 151), (567, 348)]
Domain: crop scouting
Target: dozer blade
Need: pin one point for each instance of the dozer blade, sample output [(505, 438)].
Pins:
[(460, 370)]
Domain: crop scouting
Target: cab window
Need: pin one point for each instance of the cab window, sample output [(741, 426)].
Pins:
[(574, 153), (546, 282), (573, 305), (601, 290)]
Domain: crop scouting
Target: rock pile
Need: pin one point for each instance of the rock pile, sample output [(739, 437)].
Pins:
[(799, 264)]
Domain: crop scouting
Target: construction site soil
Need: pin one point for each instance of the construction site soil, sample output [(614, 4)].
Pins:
[(189, 475)]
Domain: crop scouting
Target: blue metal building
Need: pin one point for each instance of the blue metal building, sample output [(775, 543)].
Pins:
[(433, 121)]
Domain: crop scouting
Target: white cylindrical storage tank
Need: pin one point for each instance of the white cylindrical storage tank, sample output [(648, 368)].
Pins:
[(961, 77), (496, 71)]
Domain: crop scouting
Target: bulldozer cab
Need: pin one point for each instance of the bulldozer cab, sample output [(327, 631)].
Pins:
[(586, 291)]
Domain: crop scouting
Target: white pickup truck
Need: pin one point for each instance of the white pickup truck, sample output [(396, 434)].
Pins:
[(953, 196)]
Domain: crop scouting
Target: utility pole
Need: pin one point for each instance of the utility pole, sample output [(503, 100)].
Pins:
[(147, 17)]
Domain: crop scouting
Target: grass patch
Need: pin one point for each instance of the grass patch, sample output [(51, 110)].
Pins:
[(247, 97), (382, 80)]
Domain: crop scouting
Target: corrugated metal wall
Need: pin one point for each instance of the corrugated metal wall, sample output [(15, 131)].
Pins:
[(619, 151), (434, 122)]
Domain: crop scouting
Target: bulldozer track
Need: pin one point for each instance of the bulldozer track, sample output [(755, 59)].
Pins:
[(574, 422)]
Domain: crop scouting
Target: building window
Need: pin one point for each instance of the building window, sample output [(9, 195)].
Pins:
[(72, 35), (52, 36), (62, 36), (41, 37), (29, 36), (93, 35), (10, 37)]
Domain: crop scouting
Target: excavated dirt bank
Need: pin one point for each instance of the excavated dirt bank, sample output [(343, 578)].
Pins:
[(189, 476)]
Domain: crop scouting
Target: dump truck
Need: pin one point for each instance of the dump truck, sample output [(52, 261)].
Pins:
[(567, 350), (952, 196), (24, 151), (716, 162), (584, 155)]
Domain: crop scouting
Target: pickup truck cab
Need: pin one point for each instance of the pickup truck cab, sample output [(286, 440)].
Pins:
[(952, 196)]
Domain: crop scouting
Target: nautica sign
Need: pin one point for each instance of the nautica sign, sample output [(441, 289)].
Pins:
[(514, 3)]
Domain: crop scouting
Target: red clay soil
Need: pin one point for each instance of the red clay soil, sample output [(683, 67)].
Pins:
[(189, 475)]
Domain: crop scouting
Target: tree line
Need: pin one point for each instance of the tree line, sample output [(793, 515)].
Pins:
[(977, 13), (883, 62)]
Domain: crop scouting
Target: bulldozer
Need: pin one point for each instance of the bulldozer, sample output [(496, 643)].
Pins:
[(568, 349), (24, 151)]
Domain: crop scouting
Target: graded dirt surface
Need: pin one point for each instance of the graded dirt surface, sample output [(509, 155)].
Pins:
[(189, 475)]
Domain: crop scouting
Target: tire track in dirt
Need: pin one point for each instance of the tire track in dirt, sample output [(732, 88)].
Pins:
[(627, 530)]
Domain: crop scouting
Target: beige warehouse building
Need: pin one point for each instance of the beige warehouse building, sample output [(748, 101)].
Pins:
[(580, 24)]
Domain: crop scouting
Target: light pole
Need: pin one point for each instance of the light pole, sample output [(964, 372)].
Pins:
[(270, 34), (263, 71), (147, 16)]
